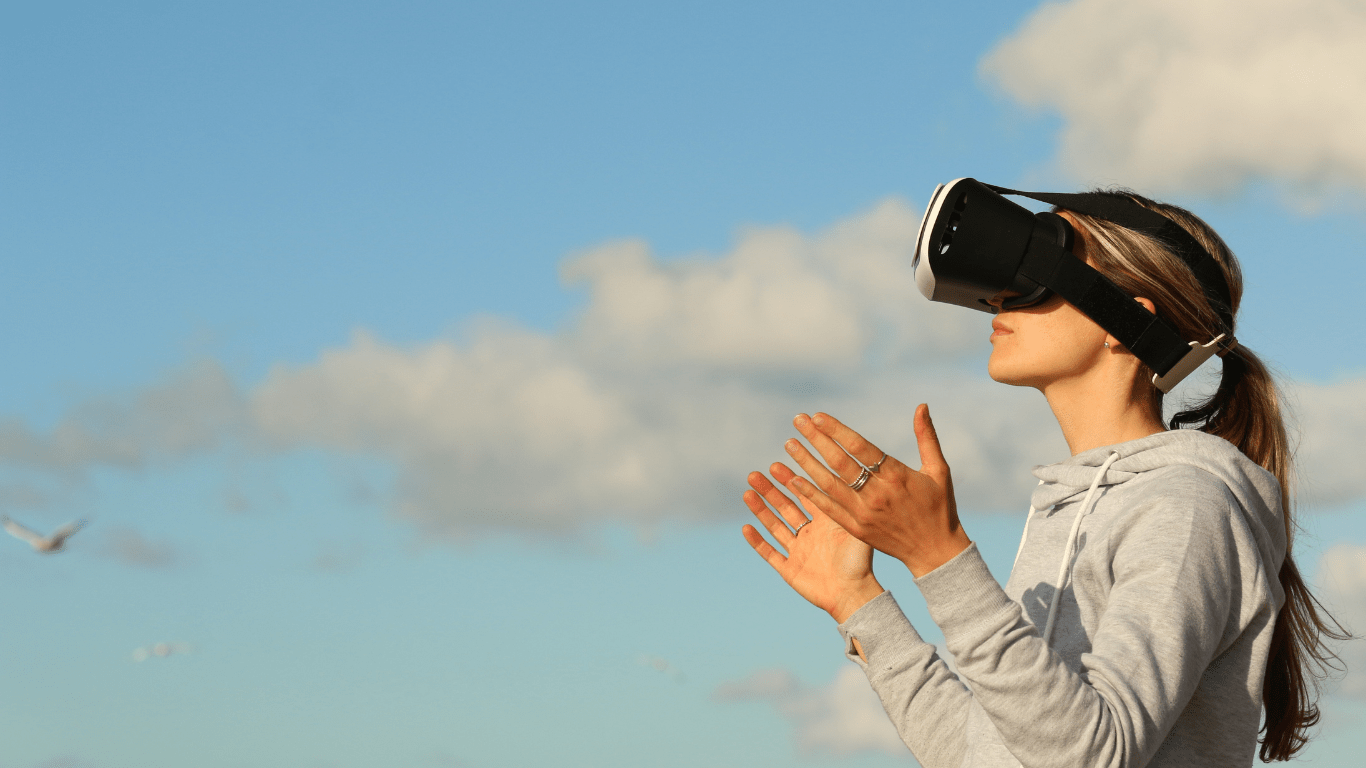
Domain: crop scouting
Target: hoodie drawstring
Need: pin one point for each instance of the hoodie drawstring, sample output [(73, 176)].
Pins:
[(1024, 536), (1065, 569)]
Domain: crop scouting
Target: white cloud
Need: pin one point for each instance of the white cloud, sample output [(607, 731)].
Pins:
[(161, 650), (1203, 95), (193, 411), (1332, 422), (1342, 572), (679, 377), (778, 301), (841, 718)]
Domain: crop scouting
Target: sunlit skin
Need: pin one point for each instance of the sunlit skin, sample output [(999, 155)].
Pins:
[(1095, 393)]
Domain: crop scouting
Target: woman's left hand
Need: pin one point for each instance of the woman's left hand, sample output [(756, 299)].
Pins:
[(908, 514), (824, 564)]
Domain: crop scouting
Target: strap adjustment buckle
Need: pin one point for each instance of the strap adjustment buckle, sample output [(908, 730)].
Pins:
[(1193, 359)]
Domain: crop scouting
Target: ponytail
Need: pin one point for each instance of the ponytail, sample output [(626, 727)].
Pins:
[(1246, 411)]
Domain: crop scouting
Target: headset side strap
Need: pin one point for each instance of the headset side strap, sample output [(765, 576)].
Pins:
[(1127, 213), (1149, 337)]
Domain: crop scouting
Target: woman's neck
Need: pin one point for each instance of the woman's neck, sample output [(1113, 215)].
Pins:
[(1104, 407)]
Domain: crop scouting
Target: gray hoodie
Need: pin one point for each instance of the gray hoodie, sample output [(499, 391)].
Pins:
[(1159, 643)]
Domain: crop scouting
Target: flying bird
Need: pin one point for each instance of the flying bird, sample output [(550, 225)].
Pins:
[(40, 543)]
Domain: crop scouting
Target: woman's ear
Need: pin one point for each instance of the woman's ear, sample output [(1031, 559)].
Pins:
[(1147, 304)]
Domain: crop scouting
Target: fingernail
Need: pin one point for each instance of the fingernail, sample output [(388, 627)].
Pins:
[(818, 420), (791, 446), (799, 420)]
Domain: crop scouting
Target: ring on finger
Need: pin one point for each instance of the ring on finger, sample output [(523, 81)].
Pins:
[(799, 528), (874, 467), (862, 480)]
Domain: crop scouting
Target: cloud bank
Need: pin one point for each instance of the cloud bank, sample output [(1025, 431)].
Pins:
[(1342, 572), (836, 720), (1197, 95), (1331, 421), (677, 378)]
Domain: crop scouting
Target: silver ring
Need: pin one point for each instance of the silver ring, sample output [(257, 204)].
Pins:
[(862, 479), (875, 467), (799, 528)]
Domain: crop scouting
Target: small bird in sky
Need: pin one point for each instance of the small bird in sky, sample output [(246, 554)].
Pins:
[(40, 543)]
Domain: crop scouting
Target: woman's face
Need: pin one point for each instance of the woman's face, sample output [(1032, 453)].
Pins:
[(1036, 346)]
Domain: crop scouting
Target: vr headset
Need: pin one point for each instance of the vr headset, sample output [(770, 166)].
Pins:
[(976, 246)]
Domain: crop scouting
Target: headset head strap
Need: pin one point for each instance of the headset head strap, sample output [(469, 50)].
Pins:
[(1127, 212)]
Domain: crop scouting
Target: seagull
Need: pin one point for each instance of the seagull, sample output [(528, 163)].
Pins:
[(44, 544)]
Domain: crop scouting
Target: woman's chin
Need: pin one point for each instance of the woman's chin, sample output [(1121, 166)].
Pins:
[(1002, 372), (1001, 378), (996, 368)]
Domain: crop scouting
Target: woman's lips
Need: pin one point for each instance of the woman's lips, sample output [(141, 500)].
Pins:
[(998, 329)]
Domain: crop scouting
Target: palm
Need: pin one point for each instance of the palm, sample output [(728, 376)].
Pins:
[(824, 564), (824, 560)]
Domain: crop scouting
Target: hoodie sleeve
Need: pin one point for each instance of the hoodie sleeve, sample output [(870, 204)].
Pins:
[(1175, 570), (924, 699)]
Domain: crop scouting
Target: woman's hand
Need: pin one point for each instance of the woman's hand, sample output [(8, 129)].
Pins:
[(908, 514), (824, 564)]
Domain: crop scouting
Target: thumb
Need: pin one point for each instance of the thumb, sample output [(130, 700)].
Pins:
[(932, 460)]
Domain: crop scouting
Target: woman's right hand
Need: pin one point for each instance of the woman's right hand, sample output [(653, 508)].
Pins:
[(824, 564)]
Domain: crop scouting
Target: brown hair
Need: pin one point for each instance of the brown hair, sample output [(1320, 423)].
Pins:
[(1245, 410)]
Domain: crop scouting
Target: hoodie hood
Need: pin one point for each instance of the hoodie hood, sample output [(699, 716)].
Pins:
[(1257, 491)]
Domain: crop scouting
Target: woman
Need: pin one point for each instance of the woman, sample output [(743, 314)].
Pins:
[(1153, 612)]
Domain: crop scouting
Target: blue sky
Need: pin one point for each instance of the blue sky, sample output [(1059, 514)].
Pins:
[(381, 346)]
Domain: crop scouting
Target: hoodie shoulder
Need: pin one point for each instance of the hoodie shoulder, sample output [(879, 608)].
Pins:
[(1188, 489), (1180, 478), (1210, 504)]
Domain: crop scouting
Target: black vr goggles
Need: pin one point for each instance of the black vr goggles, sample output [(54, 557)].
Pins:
[(975, 246)]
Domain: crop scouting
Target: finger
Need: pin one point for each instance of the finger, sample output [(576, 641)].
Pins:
[(836, 457), (765, 550), (779, 501), (786, 478), (779, 530), (851, 441), (834, 486), (814, 468), (820, 503), (932, 460)]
